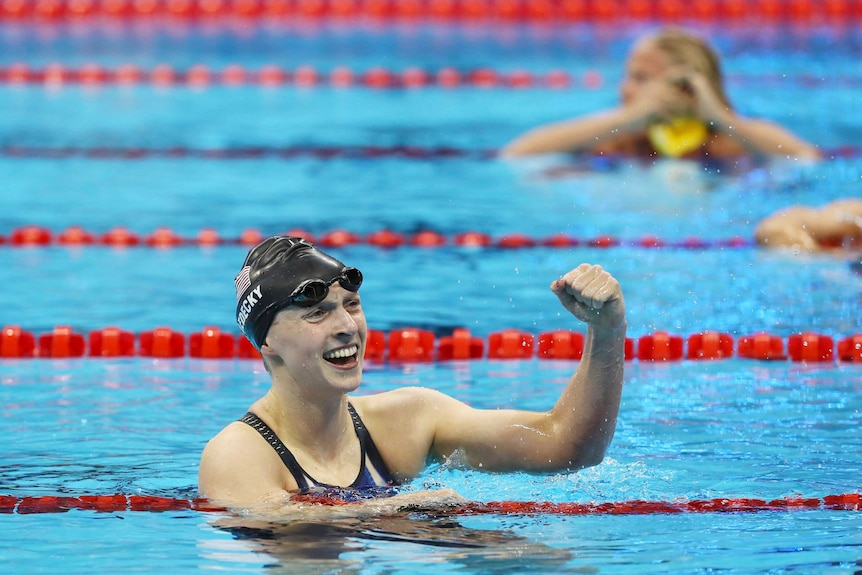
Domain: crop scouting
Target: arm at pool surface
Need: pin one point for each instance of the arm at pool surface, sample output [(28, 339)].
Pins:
[(577, 431), (756, 136), (662, 99), (765, 139), (235, 471), (813, 229), (262, 493), (602, 131), (576, 135)]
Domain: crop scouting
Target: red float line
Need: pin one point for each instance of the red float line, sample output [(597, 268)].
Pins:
[(797, 11), (244, 153), (323, 153), (410, 344), (201, 76), (31, 236), (11, 504), (844, 502)]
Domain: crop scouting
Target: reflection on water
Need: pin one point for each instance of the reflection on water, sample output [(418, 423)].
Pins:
[(434, 542)]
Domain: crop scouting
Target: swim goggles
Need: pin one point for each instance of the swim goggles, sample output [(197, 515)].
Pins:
[(311, 292)]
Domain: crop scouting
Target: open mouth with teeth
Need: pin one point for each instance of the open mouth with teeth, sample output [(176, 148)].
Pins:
[(342, 356)]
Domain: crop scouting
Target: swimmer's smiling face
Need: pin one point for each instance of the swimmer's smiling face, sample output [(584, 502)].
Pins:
[(323, 345)]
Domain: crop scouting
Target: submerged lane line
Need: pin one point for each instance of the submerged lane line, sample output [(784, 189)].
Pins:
[(11, 504)]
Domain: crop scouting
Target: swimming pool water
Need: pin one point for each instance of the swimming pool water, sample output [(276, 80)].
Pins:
[(688, 430)]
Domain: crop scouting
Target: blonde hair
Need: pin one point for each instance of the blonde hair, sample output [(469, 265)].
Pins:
[(685, 49)]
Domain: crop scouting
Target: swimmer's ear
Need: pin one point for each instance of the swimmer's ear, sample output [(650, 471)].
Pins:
[(266, 350)]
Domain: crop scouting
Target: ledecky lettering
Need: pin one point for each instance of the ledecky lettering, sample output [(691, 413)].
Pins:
[(247, 305)]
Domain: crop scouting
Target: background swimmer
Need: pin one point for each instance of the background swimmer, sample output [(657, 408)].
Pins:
[(834, 226), (672, 102)]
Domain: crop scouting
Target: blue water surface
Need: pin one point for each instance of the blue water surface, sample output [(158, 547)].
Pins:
[(732, 428)]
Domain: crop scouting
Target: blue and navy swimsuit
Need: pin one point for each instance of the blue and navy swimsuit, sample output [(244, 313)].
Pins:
[(372, 480)]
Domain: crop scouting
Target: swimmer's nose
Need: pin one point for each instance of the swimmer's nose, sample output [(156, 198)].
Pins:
[(345, 322)]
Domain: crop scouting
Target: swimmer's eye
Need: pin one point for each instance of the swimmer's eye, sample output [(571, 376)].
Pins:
[(315, 315), (684, 84)]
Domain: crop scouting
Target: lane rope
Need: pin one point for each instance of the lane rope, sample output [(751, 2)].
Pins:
[(413, 344), (12, 504), (797, 11), (288, 152), (32, 236), (57, 75), (245, 152), (200, 75)]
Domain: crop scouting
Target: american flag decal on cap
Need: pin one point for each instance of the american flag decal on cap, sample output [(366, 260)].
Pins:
[(242, 281)]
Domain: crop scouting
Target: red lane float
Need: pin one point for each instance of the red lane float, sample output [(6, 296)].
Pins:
[(61, 342), (473, 239), (339, 239), (510, 344), (162, 342), (212, 343), (460, 345), (111, 342), (660, 346), (561, 344), (116, 503), (75, 236), (14, 342), (850, 348), (375, 345), (420, 345), (537, 11), (761, 346), (385, 239), (514, 241), (119, 236), (411, 344), (710, 345), (810, 346), (428, 239), (31, 236), (560, 240)]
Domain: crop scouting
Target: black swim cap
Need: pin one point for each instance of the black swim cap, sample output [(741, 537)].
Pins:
[(272, 271)]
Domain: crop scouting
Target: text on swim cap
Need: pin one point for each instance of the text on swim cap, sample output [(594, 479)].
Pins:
[(247, 305)]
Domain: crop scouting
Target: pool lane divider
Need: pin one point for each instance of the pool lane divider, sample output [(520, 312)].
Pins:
[(417, 345), (11, 504), (315, 152), (30, 236), (199, 76), (502, 11), (57, 75), (365, 152)]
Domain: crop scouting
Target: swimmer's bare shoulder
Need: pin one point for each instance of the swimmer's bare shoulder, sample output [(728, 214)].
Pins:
[(235, 448)]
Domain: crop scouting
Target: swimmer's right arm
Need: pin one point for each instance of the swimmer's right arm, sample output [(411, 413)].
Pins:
[(575, 135), (234, 476), (594, 131), (757, 136), (232, 470)]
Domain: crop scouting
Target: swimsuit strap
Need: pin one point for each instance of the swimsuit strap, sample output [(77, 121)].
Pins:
[(287, 457), (368, 453), (369, 449)]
